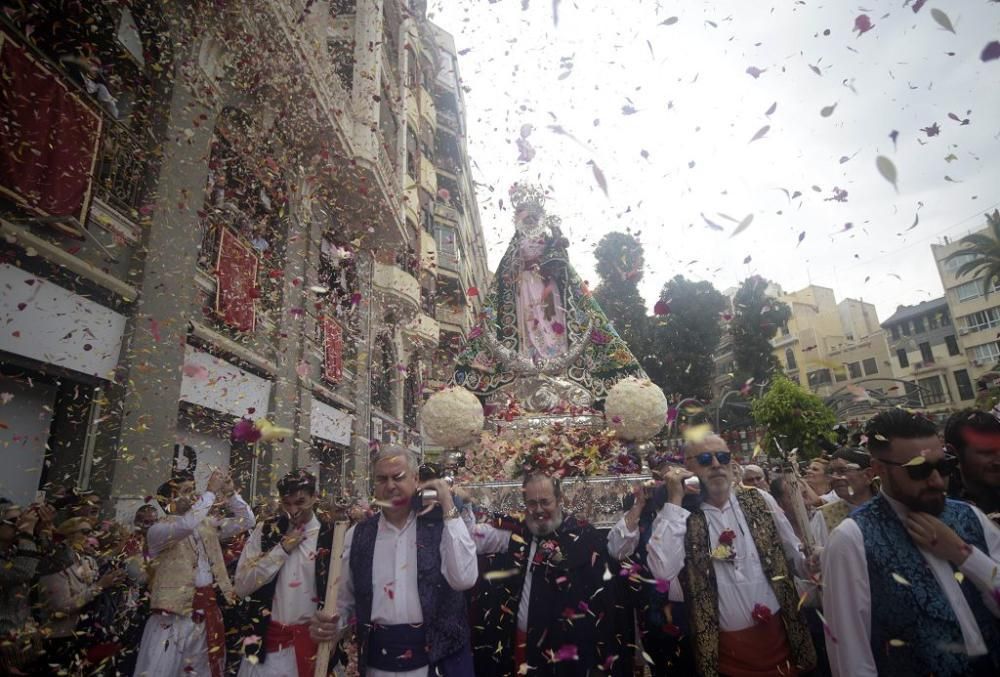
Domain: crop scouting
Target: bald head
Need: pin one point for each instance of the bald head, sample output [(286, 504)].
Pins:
[(711, 442)]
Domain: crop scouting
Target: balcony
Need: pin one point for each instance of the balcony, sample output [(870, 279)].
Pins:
[(428, 251), (411, 200), (445, 211), (422, 330), (397, 289), (453, 319), (449, 120), (427, 108), (412, 107), (781, 341), (428, 175)]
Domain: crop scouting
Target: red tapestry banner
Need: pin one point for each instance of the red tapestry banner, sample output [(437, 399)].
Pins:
[(236, 279), (49, 136), (333, 345)]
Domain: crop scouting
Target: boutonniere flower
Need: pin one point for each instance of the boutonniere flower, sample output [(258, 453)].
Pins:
[(724, 550), (548, 553), (761, 614)]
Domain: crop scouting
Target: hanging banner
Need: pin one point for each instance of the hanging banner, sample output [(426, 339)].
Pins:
[(236, 280), (333, 345), (49, 137)]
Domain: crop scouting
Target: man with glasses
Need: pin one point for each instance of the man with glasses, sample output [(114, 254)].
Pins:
[(851, 477), (909, 578), (732, 554), (545, 606)]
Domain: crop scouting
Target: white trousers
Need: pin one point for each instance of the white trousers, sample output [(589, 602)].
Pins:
[(278, 664), (174, 646)]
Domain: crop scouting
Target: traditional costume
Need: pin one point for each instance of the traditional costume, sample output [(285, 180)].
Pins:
[(548, 603), (895, 609), (283, 590), (403, 588), (733, 564), (826, 518), (184, 634)]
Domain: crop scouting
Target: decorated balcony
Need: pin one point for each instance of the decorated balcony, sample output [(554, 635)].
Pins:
[(397, 289)]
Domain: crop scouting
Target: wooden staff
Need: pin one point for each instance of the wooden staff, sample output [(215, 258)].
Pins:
[(332, 586), (799, 512)]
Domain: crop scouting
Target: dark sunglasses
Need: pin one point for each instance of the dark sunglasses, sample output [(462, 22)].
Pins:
[(705, 457), (921, 471)]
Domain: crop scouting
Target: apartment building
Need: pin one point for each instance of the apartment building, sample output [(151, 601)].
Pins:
[(220, 225)]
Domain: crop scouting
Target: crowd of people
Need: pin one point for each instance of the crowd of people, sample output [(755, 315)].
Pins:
[(880, 558)]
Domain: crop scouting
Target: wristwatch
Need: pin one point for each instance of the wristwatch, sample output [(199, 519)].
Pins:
[(452, 514)]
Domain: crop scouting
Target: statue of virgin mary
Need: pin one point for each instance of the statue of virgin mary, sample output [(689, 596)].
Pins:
[(541, 338)]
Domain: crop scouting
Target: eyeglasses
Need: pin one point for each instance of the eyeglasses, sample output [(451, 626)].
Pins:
[(705, 457), (921, 471)]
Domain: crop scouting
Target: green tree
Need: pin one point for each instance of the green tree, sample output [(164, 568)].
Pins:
[(619, 265), (794, 417), (985, 249), (756, 319), (684, 333)]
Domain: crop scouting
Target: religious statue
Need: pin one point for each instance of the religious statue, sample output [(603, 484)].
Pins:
[(542, 338)]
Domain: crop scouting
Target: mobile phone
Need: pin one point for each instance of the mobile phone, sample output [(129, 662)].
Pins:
[(40, 496)]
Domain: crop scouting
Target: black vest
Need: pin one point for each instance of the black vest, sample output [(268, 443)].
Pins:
[(257, 607), (445, 616)]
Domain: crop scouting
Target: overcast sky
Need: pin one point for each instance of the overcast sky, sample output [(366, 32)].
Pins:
[(687, 150)]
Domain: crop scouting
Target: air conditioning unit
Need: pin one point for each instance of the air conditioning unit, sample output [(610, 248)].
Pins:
[(963, 332)]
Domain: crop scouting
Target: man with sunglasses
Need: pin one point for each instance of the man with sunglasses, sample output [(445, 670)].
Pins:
[(909, 578), (851, 477), (732, 554)]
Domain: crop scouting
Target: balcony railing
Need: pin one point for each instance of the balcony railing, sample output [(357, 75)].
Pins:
[(933, 398), (121, 167), (447, 119)]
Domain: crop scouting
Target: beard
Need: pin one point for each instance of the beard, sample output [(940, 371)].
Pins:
[(928, 501), (543, 527)]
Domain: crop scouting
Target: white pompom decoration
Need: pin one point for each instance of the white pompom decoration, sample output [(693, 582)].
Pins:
[(452, 417), (635, 409)]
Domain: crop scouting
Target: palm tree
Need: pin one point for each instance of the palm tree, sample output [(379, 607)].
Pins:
[(985, 249)]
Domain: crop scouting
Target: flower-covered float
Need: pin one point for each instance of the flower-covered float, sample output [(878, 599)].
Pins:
[(545, 383)]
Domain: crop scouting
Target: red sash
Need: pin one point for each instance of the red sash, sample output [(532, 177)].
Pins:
[(206, 608), (761, 650), (297, 636)]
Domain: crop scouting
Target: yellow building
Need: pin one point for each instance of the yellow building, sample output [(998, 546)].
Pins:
[(976, 315)]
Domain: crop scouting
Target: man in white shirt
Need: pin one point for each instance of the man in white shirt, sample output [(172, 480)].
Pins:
[(403, 576), (910, 582), (851, 477), (732, 556), (283, 572), (184, 634)]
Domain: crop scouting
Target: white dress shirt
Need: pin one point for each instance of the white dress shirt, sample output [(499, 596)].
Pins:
[(741, 584), (395, 598), (622, 543), (295, 594), (847, 593), (163, 534)]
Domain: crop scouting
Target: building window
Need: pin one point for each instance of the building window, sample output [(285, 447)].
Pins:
[(871, 366), (932, 321), (953, 264), (854, 369), (926, 354), (904, 361), (931, 391), (790, 359), (905, 326), (952, 345), (988, 352), (969, 290), (984, 319), (894, 329), (819, 377), (965, 391), (945, 319), (918, 325)]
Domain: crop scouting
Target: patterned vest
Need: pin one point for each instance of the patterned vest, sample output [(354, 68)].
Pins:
[(918, 614), (258, 605), (445, 615), (835, 513), (702, 595), (172, 583)]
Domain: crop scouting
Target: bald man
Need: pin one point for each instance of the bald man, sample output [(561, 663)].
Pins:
[(732, 554)]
